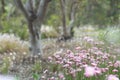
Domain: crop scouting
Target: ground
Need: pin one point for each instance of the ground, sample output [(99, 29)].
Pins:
[(21, 67)]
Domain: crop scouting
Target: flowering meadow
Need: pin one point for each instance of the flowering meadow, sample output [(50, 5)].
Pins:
[(82, 58), (91, 62)]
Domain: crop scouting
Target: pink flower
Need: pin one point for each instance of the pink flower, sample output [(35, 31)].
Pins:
[(56, 56), (114, 70), (117, 64), (104, 69), (66, 65), (112, 77), (61, 76), (89, 71), (73, 73), (98, 71), (94, 64), (49, 58), (78, 48)]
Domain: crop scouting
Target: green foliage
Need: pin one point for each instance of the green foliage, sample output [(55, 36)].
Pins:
[(6, 64), (53, 20), (110, 35), (37, 66), (92, 12), (113, 35), (48, 32), (17, 78), (15, 25), (35, 76), (102, 35), (98, 12)]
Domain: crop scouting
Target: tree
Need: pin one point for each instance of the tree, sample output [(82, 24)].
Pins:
[(34, 12), (113, 12), (3, 6), (69, 10)]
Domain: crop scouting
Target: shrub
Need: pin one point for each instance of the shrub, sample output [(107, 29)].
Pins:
[(11, 43), (14, 25), (110, 35)]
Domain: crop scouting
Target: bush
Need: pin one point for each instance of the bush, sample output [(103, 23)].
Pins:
[(11, 43), (48, 32), (14, 25), (110, 35)]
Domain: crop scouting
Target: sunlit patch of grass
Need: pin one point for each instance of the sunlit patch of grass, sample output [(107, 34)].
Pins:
[(110, 35)]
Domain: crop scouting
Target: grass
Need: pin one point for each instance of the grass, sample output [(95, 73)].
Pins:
[(73, 64), (66, 60), (11, 43)]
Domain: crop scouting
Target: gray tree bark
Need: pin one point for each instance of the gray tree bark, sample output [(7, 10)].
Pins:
[(72, 18), (62, 3), (68, 29), (3, 6), (34, 16)]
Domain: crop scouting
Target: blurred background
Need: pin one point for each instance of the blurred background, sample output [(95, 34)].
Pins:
[(89, 14)]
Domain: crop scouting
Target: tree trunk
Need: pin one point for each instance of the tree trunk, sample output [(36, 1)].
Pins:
[(113, 11), (35, 38), (34, 15), (68, 32), (3, 6), (62, 3), (72, 19)]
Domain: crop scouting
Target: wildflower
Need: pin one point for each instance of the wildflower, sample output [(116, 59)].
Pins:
[(104, 69), (117, 64), (57, 56), (94, 64), (90, 40), (89, 71), (73, 73), (110, 63), (98, 71), (69, 51), (13, 57), (43, 77), (78, 70), (61, 76), (11, 53), (59, 62), (85, 38), (112, 77), (52, 78), (78, 48), (69, 62), (114, 70), (45, 71), (66, 65)]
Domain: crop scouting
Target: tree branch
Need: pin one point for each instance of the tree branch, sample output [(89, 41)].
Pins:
[(29, 6), (19, 4), (3, 6), (42, 9), (62, 4)]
